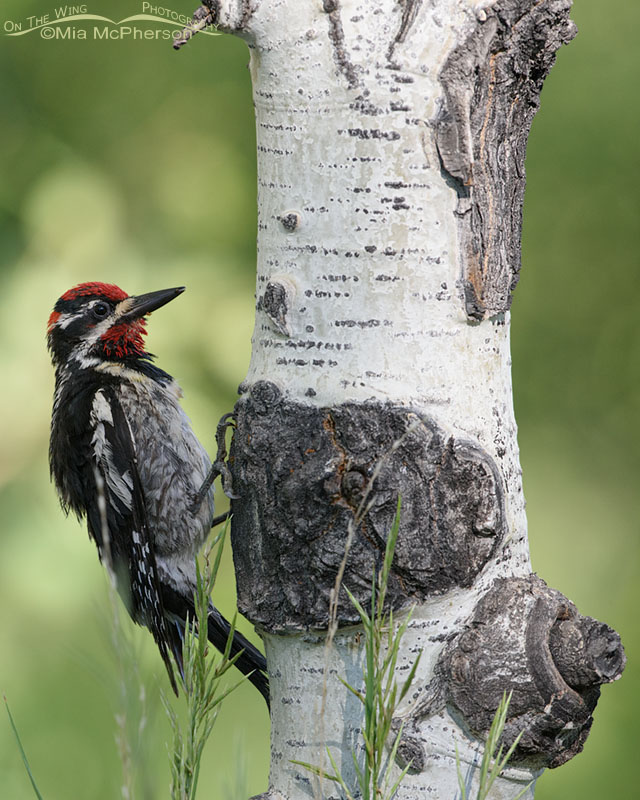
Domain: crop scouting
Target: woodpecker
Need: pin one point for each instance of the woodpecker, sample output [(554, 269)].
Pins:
[(122, 454)]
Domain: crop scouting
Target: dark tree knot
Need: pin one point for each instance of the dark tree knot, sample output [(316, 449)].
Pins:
[(527, 639), (304, 475)]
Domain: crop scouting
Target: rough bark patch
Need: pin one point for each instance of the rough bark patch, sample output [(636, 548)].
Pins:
[(302, 473), (491, 84)]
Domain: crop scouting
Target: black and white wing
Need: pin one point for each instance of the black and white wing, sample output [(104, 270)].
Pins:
[(117, 520)]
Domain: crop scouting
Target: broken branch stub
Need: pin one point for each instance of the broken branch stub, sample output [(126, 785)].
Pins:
[(526, 639)]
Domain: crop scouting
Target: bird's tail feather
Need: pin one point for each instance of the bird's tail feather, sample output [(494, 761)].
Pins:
[(250, 662)]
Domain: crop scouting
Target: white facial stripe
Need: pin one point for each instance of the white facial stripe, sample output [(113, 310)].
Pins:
[(98, 330), (64, 320)]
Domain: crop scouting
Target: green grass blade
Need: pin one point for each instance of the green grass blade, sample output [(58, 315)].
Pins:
[(461, 784), (359, 774), (500, 763), (343, 785), (392, 757), (383, 578), (357, 693), (522, 791), (203, 691), (25, 760), (410, 678), (494, 763), (490, 747), (320, 773), (511, 750), (358, 607)]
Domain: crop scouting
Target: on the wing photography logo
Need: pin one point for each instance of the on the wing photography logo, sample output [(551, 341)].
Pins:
[(76, 22)]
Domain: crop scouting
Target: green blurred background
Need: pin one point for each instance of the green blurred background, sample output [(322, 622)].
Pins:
[(127, 162)]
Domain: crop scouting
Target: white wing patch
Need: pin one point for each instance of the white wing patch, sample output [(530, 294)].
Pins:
[(120, 485), (101, 410)]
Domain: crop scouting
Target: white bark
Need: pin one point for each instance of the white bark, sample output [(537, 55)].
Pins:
[(358, 224)]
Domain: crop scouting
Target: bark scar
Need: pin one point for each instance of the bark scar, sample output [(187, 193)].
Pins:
[(491, 84), (336, 34), (490, 227), (410, 10)]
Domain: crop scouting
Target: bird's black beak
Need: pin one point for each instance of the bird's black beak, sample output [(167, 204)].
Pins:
[(142, 304)]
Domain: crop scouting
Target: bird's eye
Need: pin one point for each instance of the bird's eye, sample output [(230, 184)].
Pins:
[(101, 310)]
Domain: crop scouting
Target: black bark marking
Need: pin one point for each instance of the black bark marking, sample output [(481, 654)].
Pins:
[(529, 639), (290, 221), (248, 9), (336, 34), (372, 133), (301, 472), (491, 85), (276, 304), (410, 10)]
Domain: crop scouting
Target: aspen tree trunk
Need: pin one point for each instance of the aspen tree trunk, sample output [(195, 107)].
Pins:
[(391, 139)]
